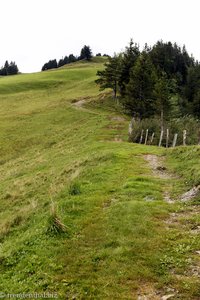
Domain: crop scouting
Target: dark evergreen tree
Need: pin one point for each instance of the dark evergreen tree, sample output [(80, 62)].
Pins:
[(52, 64), (129, 58), (192, 91), (172, 60), (109, 78), (45, 67), (13, 69), (6, 66), (61, 63), (140, 98), (66, 60), (162, 96), (9, 69), (86, 53), (72, 58)]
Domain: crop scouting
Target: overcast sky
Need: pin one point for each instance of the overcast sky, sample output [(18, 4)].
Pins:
[(34, 31)]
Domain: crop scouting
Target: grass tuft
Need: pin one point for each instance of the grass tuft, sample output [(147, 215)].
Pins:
[(75, 189), (55, 226)]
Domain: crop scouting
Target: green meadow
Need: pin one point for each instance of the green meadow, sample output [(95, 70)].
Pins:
[(119, 238)]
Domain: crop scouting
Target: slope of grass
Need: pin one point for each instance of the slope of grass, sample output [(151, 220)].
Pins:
[(51, 151), (185, 161)]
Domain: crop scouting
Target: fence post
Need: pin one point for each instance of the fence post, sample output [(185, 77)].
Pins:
[(152, 137), (167, 139), (141, 137), (161, 137), (175, 140), (146, 137), (184, 137)]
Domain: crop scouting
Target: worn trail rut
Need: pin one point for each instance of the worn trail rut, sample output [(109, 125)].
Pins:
[(156, 164)]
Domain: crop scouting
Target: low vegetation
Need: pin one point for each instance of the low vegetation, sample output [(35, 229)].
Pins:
[(174, 126), (110, 233)]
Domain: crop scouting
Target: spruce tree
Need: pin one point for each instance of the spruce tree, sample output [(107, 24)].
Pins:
[(61, 63), (109, 78), (86, 53), (162, 95), (71, 58), (140, 98), (129, 58), (66, 60)]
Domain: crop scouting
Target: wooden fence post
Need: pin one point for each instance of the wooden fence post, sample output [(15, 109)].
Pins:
[(146, 137), (161, 137), (130, 129), (167, 139), (175, 140), (152, 137), (141, 137), (184, 137)]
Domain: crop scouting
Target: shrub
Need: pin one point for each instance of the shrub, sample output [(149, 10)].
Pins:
[(176, 125)]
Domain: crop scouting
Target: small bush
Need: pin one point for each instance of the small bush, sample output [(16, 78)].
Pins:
[(54, 225), (174, 125), (75, 189)]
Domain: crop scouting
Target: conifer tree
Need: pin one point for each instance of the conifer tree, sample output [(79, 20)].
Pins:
[(109, 78), (128, 60), (72, 58), (140, 98), (86, 53), (61, 63), (162, 95)]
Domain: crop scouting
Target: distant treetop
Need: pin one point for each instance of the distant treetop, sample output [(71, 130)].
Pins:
[(9, 69), (86, 53)]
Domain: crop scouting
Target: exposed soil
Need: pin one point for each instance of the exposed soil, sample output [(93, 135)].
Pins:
[(117, 118), (117, 139), (159, 171), (190, 194), (156, 164), (149, 293), (79, 103), (177, 219)]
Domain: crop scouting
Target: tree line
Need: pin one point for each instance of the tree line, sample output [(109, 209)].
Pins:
[(86, 53), (161, 80), (9, 69)]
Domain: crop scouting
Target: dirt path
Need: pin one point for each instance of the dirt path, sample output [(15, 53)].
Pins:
[(156, 164), (117, 138), (175, 221), (80, 105)]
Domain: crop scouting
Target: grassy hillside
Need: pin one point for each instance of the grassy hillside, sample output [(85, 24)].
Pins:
[(57, 151)]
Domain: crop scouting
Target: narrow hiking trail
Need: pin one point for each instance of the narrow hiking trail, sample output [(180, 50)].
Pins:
[(79, 104), (180, 220), (116, 122), (156, 164), (173, 222)]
